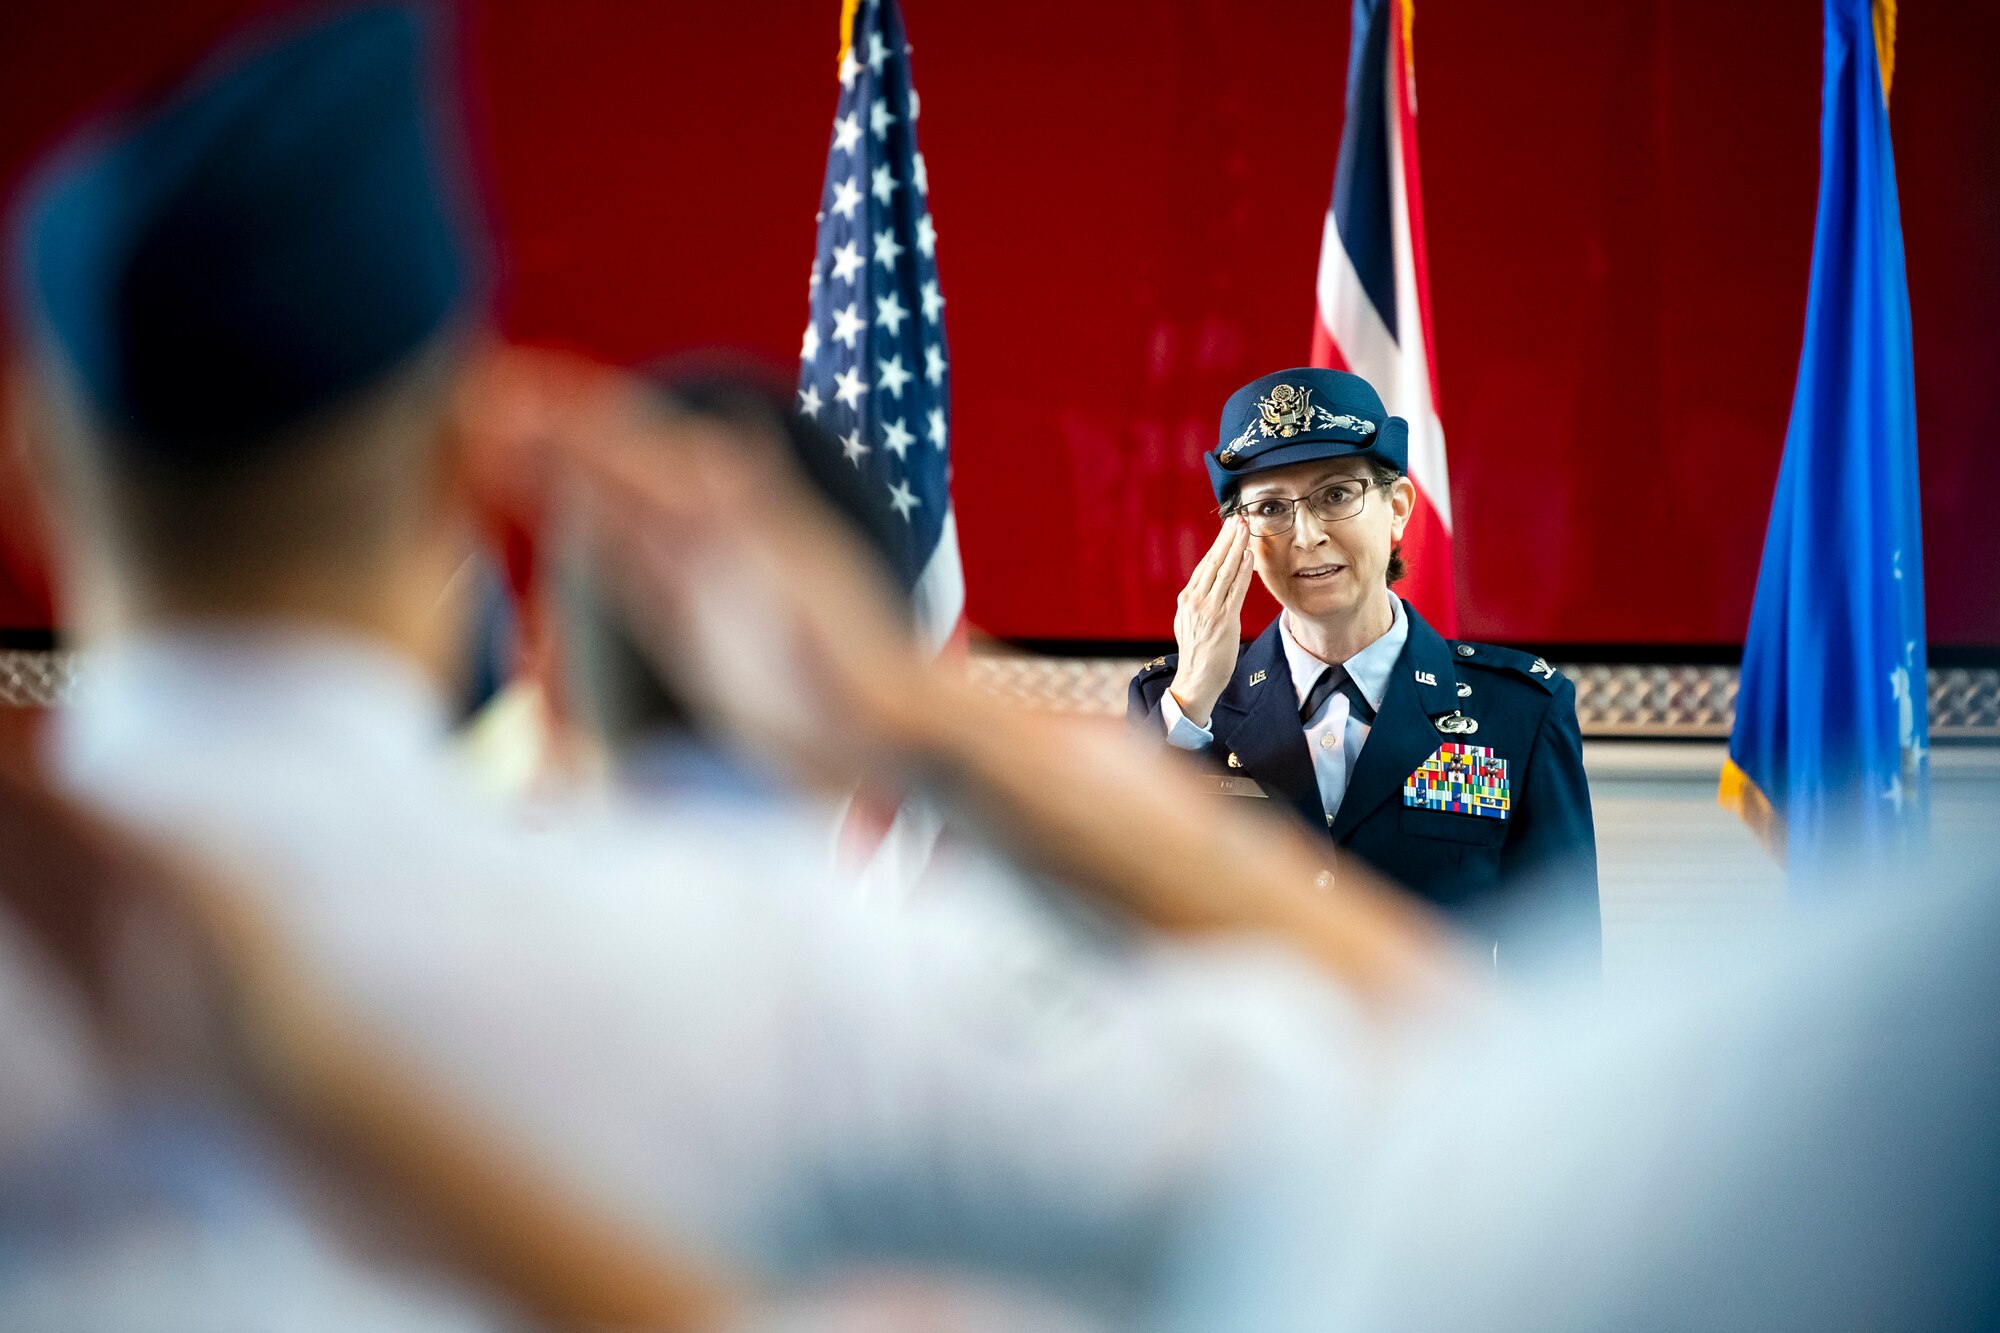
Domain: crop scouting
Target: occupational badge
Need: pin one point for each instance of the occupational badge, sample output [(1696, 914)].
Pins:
[(1461, 780), (1456, 723)]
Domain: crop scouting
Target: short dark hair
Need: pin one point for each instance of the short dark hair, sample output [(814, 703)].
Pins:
[(1382, 475), (1385, 477), (333, 490)]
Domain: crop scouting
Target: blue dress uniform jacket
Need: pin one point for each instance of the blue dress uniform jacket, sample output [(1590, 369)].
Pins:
[(1464, 863)]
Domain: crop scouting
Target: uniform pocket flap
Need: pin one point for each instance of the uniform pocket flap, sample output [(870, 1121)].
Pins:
[(1475, 830)]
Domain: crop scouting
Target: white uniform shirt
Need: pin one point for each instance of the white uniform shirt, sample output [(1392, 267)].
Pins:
[(685, 1021), (1334, 734), (143, 1207)]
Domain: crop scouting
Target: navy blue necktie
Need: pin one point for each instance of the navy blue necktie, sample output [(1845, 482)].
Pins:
[(1332, 679)]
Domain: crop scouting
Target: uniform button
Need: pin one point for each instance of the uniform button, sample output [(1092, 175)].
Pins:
[(1465, 650), (1326, 741)]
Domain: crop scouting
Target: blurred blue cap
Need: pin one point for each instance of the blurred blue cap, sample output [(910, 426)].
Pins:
[(275, 234)]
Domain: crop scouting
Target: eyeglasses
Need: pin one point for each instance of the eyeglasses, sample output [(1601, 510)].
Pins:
[(1273, 515)]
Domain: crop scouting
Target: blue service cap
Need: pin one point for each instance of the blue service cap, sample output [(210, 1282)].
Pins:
[(275, 234), (1297, 416)]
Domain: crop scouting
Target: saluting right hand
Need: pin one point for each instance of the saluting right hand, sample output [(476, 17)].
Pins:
[(1208, 621)]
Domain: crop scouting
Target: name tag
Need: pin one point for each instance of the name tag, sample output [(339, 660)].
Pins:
[(1228, 784)]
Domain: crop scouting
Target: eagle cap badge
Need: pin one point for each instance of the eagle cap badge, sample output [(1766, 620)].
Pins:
[(1285, 411)]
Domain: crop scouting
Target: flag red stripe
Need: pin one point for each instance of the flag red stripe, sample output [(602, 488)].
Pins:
[(1427, 550), (1325, 352)]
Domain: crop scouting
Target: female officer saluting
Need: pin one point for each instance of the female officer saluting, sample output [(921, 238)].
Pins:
[(1454, 768)]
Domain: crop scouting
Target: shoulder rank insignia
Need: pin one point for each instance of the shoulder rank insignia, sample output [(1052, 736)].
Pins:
[(1154, 665), (1456, 723), (1463, 780), (1539, 667)]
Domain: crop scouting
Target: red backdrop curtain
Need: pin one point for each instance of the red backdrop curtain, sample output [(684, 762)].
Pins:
[(1129, 197)]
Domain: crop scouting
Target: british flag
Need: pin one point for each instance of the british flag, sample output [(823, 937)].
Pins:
[(874, 368), (1374, 303)]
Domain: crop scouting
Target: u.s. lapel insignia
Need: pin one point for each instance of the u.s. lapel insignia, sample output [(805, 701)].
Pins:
[(1234, 762), (1426, 678), (1539, 667), (1456, 723), (1461, 780), (1256, 678)]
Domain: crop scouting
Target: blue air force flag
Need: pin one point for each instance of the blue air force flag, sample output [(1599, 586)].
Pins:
[(1827, 757), (873, 368)]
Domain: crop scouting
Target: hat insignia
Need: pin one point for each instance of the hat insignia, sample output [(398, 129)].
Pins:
[(1285, 411)]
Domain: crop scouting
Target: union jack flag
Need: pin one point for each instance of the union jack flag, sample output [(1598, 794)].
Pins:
[(1374, 294), (874, 367)]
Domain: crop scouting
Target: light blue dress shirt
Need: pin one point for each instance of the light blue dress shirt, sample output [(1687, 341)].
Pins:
[(1333, 734)]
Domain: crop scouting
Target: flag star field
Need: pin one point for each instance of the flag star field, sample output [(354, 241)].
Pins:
[(874, 368)]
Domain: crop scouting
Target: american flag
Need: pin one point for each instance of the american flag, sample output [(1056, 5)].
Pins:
[(874, 370), (1374, 296), (874, 367)]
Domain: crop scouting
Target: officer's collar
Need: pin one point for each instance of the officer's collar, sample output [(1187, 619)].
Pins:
[(1371, 668)]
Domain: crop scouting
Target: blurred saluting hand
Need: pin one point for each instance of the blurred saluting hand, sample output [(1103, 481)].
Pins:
[(766, 616)]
